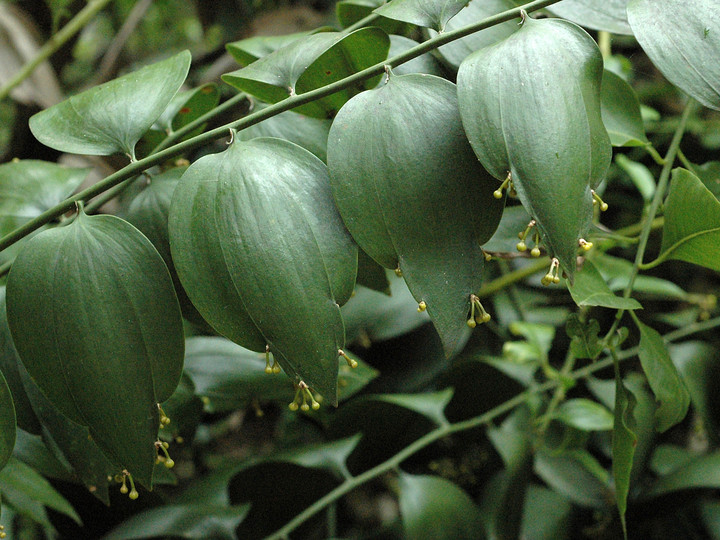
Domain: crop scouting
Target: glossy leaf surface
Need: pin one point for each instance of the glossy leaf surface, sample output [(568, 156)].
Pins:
[(312, 62), (112, 117), (434, 508), (620, 110), (455, 52), (664, 379), (608, 15), (585, 414), (425, 63), (310, 133), (263, 254), (530, 106), (28, 492), (29, 187), (590, 289), (405, 204), (691, 231), (682, 38), (93, 301), (70, 442), (427, 13), (7, 422)]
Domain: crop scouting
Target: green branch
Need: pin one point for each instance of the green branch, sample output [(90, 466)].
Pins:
[(54, 43), (137, 167), (472, 423)]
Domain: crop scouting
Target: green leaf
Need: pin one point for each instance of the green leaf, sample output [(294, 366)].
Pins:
[(455, 52), (148, 210), (246, 51), (112, 117), (372, 276), (93, 301), (590, 289), (530, 106), (697, 363), (585, 415), (620, 110), (28, 493), (576, 475), (351, 11), (433, 508), (310, 133), (7, 422), (9, 364), (608, 15), (32, 450), (371, 316), (30, 187), (195, 521), (547, 515), (691, 231), (330, 456), (701, 472), (264, 256), (617, 272), (312, 62), (663, 378), (70, 442), (425, 63), (427, 13), (624, 443), (639, 174), (188, 106), (431, 405), (682, 38), (585, 342), (394, 186), (709, 173)]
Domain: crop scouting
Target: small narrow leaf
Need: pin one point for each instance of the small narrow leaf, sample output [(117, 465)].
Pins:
[(434, 508), (427, 13), (575, 474), (682, 38), (608, 15), (691, 231), (7, 422), (620, 110), (701, 472), (22, 484), (585, 415), (430, 405), (312, 62), (93, 302), (590, 289), (624, 443), (663, 378), (639, 174), (112, 117)]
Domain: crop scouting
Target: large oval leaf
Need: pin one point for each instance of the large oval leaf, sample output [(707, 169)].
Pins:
[(405, 203), (531, 107), (682, 38), (96, 322), (312, 62), (263, 254), (608, 15), (114, 116), (455, 52)]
